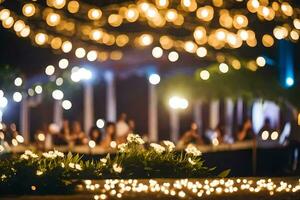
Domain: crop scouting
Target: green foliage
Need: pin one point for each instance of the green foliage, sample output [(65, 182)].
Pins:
[(53, 172)]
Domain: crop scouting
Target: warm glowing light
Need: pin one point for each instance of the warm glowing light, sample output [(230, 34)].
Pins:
[(92, 55), (100, 123), (274, 135), (204, 75), (92, 144), (280, 32), (94, 14), (50, 70), (267, 40), (201, 52), (190, 47), (80, 52), (57, 94), (261, 61), (41, 137), (146, 39), (294, 35), (173, 56), (17, 96), (265, 135), (19, 25), (53, 19), (41, 38), (162, 3), (236, 64), (4, 14), (38, 89), (171, 15), (205, 13), (59, 81), (63, 63), (223, 67), (243, 34), (59, 3), (66, 104), (66, 46), (177, 102), (28, 9), (25, 31), (20, 138), (296, 23), (115, 20), (73, 6), (157, 52), (8, 23), (154, 79), (132, 14), (18, 81)]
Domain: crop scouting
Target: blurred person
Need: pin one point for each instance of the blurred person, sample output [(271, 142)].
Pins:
[(95, 135), (190, 136), (76, 136), (122, 129), (110, 135), (60, 137), (245, 132), (131, 125)]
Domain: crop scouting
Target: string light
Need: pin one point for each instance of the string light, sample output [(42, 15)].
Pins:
[(38, 89), (204, 75), (66, 104), (80, 52), (154, 79), (63, 63), (173, 56), (223, 67), (28, 9), (57, 95), (18, 81), (100, 123), (41, 38), (261, 61), (66, 46), (157, 52), (50, 70), (92, 55), (17, 96)]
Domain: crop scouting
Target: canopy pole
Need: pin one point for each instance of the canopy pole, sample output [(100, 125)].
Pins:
[(152, 112), (111, 108), (88, 106)]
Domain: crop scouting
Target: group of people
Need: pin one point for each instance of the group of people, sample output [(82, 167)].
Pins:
[(218, 136), (74, 135)]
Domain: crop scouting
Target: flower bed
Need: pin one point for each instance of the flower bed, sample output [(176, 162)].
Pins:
[(52, 172)]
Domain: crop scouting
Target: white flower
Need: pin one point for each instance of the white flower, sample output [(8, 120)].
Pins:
[(28, 154), (191, 161), (24, 157), (133, 138), (103, 160), (72, 165), (170, 145), (38, 172), (117, 168), (53, 154), (191, 149), (122, 147), (62, 165), (158, 148), (78, 167)]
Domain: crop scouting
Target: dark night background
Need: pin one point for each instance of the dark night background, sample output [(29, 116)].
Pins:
[(131, 91)]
